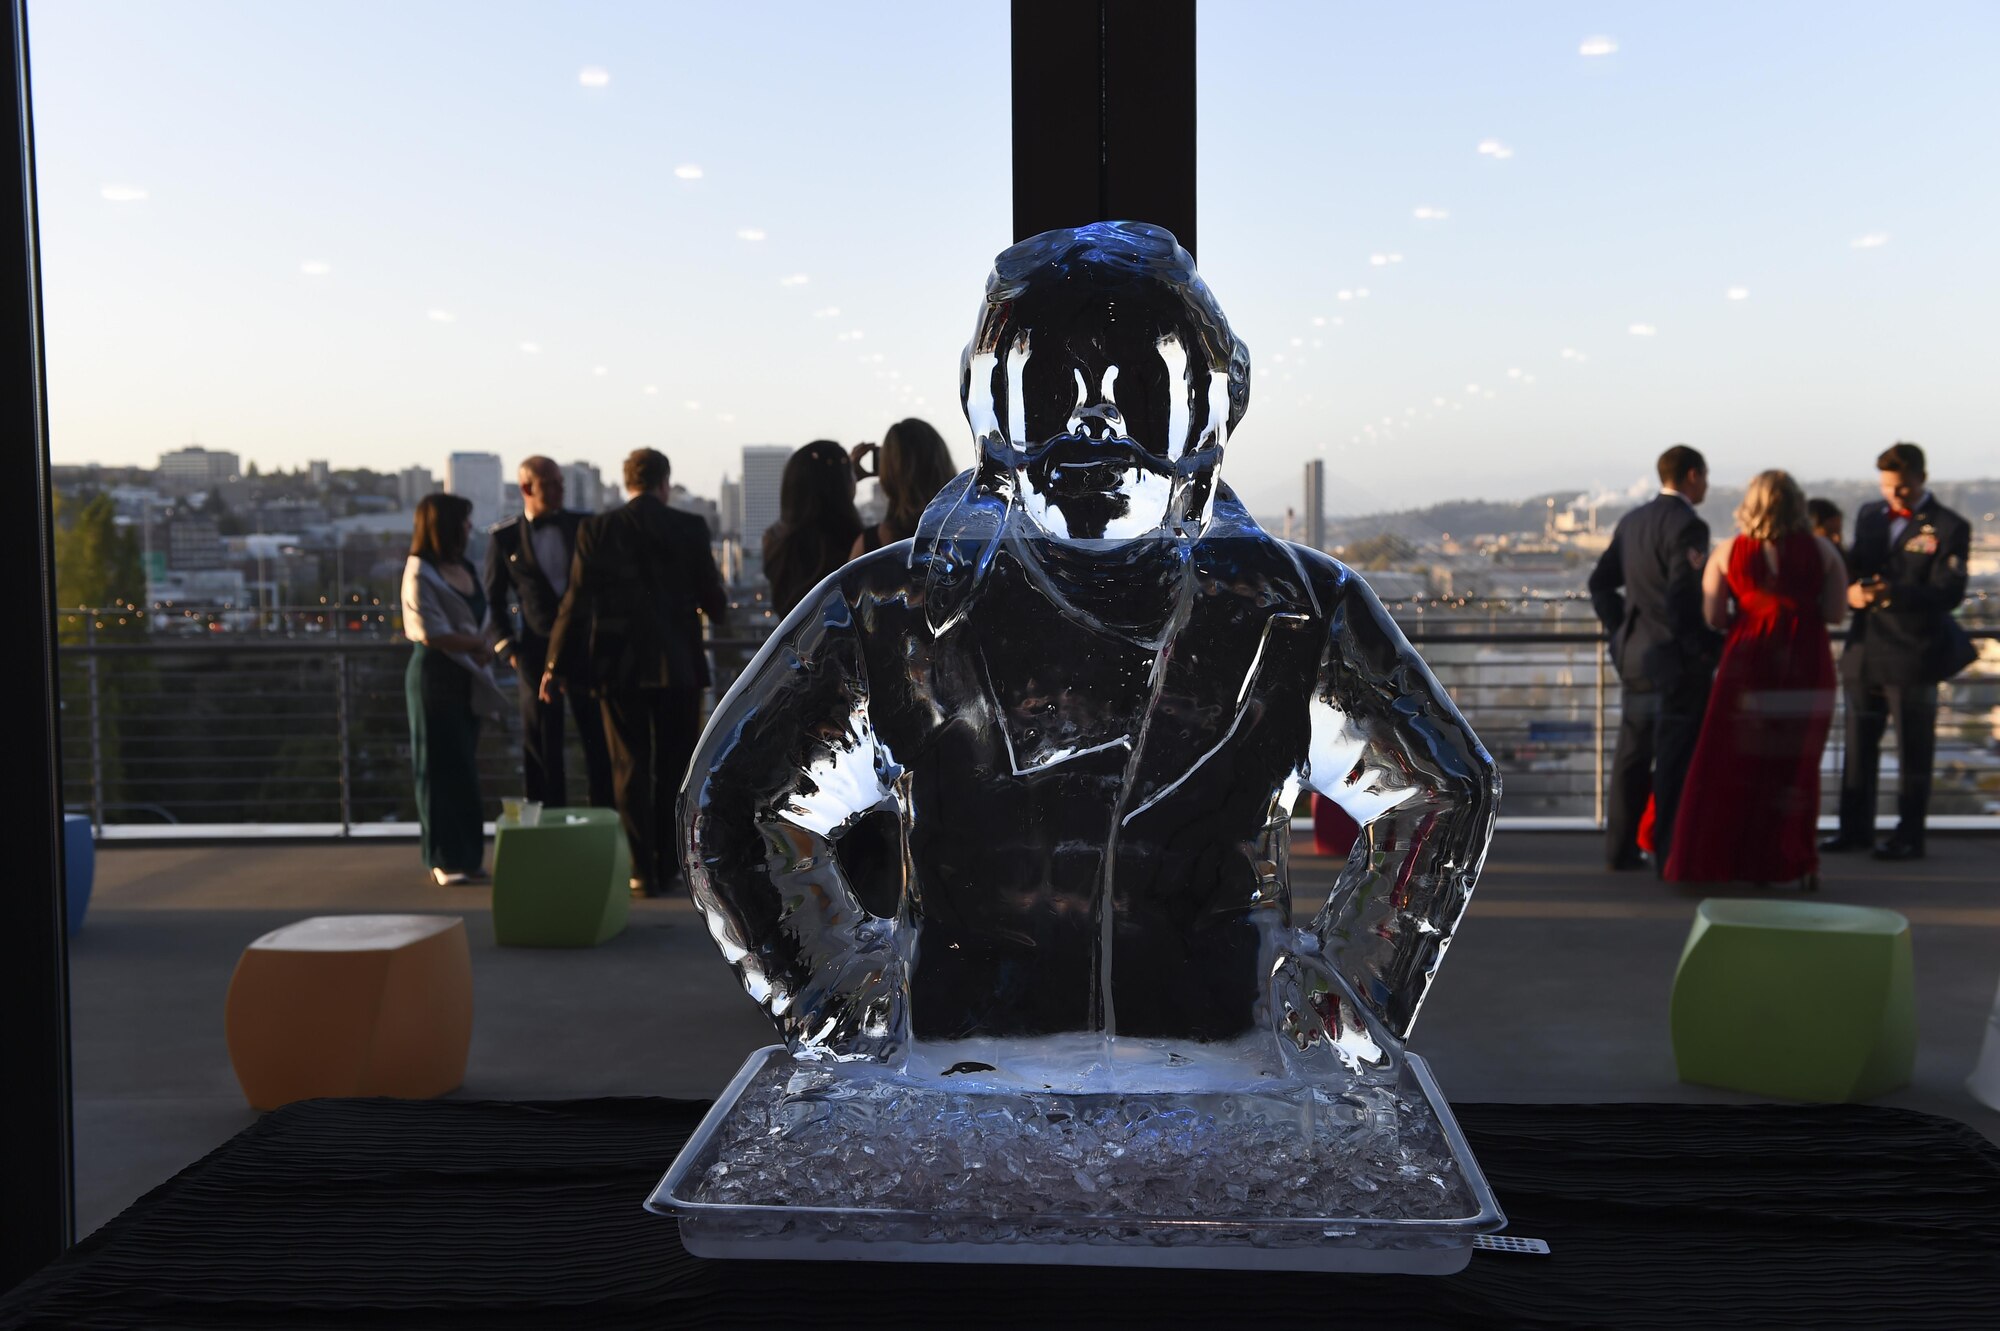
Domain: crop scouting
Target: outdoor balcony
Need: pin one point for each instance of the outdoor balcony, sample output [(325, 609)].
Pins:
[(1556, 988)]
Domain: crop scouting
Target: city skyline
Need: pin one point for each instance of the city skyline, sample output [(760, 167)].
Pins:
[(1531, 248)]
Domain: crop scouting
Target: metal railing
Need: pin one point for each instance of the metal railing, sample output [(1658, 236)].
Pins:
[(313, 733)]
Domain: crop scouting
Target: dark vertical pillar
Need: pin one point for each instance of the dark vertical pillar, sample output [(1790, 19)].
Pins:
[(1103, 114), (36, 1191)]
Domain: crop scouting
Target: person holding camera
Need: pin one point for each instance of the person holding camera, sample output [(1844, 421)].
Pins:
[(1906, 574), (912, 464)]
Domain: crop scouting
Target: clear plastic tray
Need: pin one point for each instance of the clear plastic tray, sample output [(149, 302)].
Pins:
[(1248, 1242)]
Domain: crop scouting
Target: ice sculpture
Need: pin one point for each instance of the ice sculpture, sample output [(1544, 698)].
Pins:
[(1003, 811)]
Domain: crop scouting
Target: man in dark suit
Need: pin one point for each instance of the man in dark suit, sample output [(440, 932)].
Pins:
[(1646, 589), (527, 570), (630, 629), (1906, 571)]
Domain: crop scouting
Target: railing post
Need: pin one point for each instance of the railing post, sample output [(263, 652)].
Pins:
[(96, 726), (340, 729), (1597, 770)]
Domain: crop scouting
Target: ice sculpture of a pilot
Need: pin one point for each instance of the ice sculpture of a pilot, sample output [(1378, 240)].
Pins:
[(1083, 702)]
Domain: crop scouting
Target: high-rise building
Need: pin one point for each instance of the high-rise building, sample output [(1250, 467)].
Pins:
[(476, 476), (185, 470), (583, 488), (1315, 504), (412, 484), (757, 503), (729, 509), (319, 473)]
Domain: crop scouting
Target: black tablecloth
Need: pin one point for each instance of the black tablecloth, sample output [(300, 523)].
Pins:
[(378, 1213)]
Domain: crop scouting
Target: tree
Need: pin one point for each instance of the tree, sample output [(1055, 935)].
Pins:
[(98, 567), (1375, 553)]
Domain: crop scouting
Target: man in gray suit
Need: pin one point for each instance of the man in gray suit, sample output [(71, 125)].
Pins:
[(1646, 590)]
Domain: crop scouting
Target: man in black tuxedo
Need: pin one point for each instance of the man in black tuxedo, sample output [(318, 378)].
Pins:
[(1906, 571), (1646, 589), (629, 628), (527, 570)]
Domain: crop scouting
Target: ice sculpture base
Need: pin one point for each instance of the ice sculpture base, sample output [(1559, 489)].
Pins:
[(800, 1161)]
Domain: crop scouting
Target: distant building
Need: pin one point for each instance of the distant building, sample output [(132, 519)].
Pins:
[(194, 544), (757, 497), (320, 474), (185, 470), (584, 489), (477, 477), (412, 484), (705, 509), (1315, 505), (729, 509)]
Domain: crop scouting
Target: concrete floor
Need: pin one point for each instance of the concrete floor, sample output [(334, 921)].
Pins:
[(1555, 988)]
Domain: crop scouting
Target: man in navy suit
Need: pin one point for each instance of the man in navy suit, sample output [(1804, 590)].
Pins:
[(630, 630), (527, 571), (1646, 589), (1906, 573)]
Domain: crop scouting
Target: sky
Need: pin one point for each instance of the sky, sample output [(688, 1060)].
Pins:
[(1475, 249)]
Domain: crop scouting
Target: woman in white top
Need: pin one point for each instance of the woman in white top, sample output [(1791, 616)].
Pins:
[(447, 687)]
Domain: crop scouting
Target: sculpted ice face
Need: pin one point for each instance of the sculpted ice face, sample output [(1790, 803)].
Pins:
[(1010, 802), (1102, 381)]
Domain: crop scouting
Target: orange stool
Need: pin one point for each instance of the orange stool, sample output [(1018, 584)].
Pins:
[(352, 1005)]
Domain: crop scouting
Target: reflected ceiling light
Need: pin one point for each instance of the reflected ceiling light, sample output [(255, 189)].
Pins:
[(1594, 46), (594, 76), (1426, 213), (1495, 149), (441, 316), (651, 390), (794, 280), (692, 405), (688, 171), (830, 312), (1737, 293), (1571, 353), (749, 233), (532, 348), (124, 193), (1874, 240), (1641, 330), (599, 370), (315, 267)]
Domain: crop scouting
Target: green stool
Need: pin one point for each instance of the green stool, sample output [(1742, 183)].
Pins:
[(565, 882), (1797, 1000)]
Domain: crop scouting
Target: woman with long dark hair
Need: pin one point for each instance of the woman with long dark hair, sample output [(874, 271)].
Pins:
[(447, 687), (914, 465), (816, 523)]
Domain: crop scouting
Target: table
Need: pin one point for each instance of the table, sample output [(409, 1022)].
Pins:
[(386, 1214)]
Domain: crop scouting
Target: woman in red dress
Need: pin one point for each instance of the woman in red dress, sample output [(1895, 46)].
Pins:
[(1750, 812)]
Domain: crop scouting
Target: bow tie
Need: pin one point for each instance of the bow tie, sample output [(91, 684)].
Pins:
[(1901, 514), (546, 520)]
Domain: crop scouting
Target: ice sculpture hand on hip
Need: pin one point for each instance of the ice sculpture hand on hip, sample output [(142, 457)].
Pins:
[(1011, 800)]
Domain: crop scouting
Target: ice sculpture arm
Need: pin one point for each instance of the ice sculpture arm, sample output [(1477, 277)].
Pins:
[(788, 763), (1389, 747)]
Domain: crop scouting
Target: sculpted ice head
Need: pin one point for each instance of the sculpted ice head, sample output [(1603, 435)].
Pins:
[(1102, 382)]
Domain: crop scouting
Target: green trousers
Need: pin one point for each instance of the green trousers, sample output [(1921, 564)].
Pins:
[(444, 749)]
